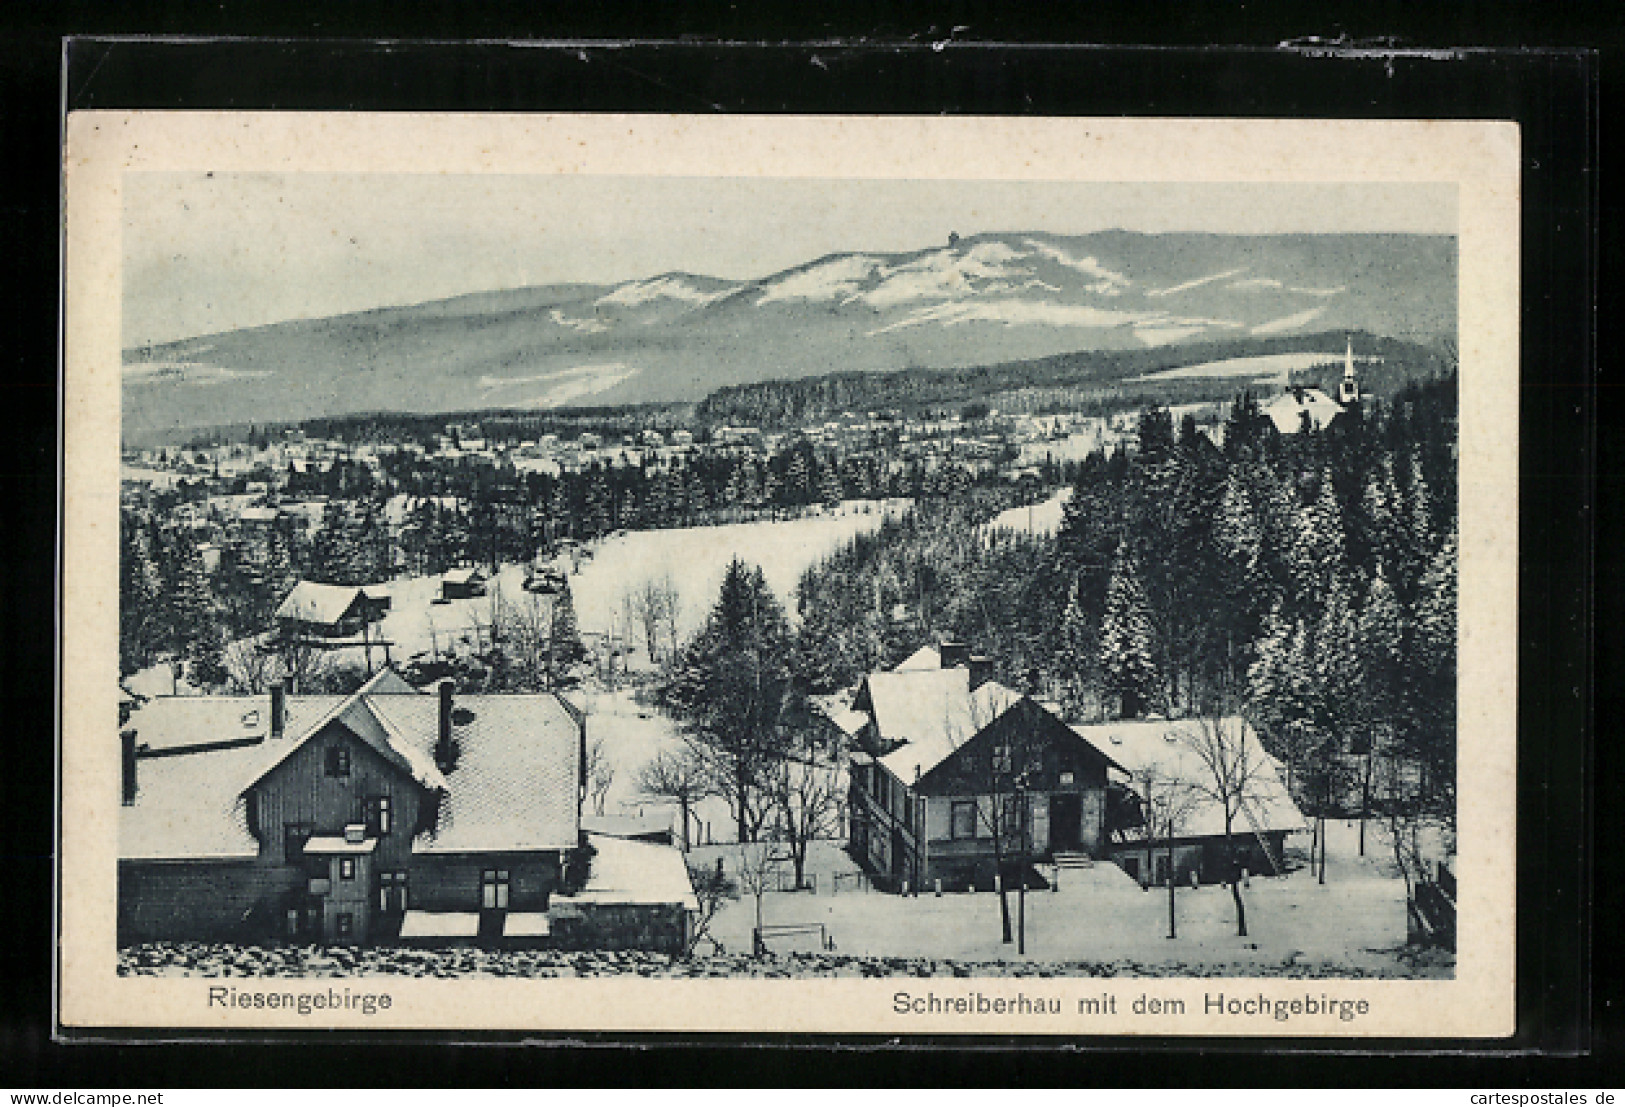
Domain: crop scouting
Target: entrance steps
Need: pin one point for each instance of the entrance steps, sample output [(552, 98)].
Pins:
[(1074, 861)]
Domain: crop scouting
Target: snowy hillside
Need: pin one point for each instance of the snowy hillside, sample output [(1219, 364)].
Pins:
[(983, 300)]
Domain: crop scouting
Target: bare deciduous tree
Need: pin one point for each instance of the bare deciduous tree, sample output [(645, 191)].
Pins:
[(525, 628), (1233, 767), (677, 776), (804, 791), (1166, 804), (600, 774), (251, 669), (757, 864), (654, 606), (713, 887)]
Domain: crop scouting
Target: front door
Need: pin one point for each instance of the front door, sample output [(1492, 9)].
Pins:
[(1065, 822), (304, 920)]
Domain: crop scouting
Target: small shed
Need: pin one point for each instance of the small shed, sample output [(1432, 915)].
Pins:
[(462, 584)]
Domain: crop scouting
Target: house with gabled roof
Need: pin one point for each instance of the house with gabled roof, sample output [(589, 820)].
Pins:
[(954, 775), (329, 610), (1162, 755), (385, 815)]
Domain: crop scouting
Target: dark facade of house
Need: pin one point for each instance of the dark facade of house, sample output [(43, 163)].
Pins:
[(362, 819), (952, 777), (462, 584)]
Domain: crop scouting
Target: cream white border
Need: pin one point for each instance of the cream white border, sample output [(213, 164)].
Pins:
[(1480, 158)]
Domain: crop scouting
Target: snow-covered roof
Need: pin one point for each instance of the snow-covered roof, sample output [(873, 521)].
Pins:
[(837, 708), (922, 659), (628, 826), (465, 575), (932, 713), (328, 843), (1163, 748), (629, 872), (360, 715), (1286, 411), (186, 807), (516, 782), (440, 924), (310, 602), (514, 786)]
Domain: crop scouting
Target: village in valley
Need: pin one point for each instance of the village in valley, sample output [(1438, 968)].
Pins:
[(1018, 672)]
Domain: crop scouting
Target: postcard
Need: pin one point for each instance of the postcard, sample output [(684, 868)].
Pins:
[(829, 575)]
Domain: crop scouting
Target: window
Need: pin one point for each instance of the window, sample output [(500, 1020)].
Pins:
[(962, 820), (494, 889), (294, 837), (379, 816), (1001, 759), (338, 760), (1066, 778), (347, 868), (1011, 821), (346, 924)]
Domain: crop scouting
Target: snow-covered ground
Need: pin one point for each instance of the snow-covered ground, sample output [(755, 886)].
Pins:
[(1357, 918), (1040, 518), (694, 558)]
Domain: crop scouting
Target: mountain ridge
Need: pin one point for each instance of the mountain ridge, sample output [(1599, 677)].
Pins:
[(679, 336)]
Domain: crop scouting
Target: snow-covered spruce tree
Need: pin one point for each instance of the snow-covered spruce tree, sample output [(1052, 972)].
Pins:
[(1127, 640), (1383, 679), (141, 597), (1079, 654), (1380, 508), (1431, 665), (1317, 549), (730, 688)]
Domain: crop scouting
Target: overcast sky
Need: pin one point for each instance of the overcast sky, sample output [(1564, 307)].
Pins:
[(213, 252)]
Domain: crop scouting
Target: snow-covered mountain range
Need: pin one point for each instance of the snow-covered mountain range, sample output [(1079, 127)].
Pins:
[(678, 336)]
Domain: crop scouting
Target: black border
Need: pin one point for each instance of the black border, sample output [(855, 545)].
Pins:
[(1552, 93)]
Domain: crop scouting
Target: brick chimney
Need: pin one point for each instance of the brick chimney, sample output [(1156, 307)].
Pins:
[(445, 747), (954, 655), (127, 749), (279, 710), (981, 670)]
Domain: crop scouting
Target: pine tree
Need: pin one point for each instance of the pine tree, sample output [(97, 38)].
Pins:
[(195, 637), (797, 480), (731, 688), (140, 596), (1079, 652), (1432, 663), (1382, 671), (829, 483), (1316, 554), (564, 639), (1127, 646), (1379, 509)]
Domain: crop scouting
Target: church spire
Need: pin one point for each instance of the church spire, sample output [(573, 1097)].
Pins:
[(1348, 392)]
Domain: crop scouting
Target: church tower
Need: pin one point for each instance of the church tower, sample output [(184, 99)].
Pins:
[(1348, 392)]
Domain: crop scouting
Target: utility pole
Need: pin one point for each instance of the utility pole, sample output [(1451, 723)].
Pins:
[(1021, 866), (1168, 826)]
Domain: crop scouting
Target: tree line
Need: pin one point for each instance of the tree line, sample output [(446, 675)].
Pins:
[(1309, 578), (789, 403)]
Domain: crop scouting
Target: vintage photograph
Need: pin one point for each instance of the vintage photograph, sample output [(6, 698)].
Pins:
[(749, 577)]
